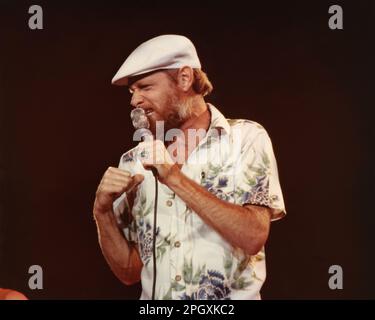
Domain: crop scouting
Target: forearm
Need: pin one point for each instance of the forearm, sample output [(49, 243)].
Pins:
[(122, 257), (246, 228)]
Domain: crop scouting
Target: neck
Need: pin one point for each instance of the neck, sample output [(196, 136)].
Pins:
[(200, 118)]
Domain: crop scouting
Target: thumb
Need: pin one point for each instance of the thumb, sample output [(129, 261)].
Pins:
[(136, 180)]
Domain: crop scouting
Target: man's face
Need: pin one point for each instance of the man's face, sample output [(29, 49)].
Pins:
[(161, 99)]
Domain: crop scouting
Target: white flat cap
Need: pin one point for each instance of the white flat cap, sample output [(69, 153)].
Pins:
[(163, 52)]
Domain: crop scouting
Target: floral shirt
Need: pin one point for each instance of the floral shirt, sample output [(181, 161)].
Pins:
[(235, 162)]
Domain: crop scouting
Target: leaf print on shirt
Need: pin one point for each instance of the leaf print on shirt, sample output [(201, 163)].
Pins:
[(162, 246), (168, 295), (262, 169), (257, 178), (258, 194), (188, 271), (211, 286), (146, 237), (141, 211), (228, 263), (237, 282), (187, 213), (240, 283), (216, 181), (145, 240), (128, 157), (144, 228), (208, 285)]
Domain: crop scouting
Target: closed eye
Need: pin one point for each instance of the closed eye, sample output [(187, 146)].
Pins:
[(145, 87)]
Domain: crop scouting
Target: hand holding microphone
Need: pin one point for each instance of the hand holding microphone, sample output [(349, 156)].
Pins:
[(152, 153)]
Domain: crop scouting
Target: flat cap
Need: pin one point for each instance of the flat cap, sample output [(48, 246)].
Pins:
[(162, 52)]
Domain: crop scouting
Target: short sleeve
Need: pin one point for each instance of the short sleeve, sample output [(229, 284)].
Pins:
[(257, 179), (121, 207)]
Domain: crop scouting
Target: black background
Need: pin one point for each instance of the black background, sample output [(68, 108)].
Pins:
[(63, 124)]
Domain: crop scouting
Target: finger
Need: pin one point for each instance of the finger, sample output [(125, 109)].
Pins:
[(118, 171), (112, 190), (118, 179), (116, 184), (137, 179)]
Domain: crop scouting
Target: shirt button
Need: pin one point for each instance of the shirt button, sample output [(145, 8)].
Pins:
[(178, 278), (177, 244), (169, 203)]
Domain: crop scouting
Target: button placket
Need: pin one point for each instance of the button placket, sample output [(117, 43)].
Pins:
[(178, 251), (174, 254)]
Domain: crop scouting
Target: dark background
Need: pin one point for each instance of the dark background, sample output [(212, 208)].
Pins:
[(63, 124)]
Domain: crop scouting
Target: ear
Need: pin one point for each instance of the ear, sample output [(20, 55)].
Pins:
[(185, 78)]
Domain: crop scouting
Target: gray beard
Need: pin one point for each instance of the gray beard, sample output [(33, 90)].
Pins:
[(183, 110)]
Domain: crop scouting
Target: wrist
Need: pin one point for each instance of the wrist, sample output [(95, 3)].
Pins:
[(174, 176), (102, 215)]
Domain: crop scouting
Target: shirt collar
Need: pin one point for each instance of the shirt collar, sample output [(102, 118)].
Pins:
[(218, 121)]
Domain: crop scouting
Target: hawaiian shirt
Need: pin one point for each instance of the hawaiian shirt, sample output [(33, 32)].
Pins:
[(235, 161)]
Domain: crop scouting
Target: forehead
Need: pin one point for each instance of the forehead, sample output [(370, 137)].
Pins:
[(154, 76)]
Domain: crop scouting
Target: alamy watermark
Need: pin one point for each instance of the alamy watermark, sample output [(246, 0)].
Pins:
[(336, 21), (36, 19), (36, 280), (212, 150), (336, 281)]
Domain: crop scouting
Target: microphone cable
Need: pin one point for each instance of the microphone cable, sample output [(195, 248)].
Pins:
[(154, 172)]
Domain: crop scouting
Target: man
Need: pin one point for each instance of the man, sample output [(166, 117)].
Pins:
[(217, 191)]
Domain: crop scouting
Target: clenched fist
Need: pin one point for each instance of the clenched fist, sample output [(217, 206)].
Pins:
[(114, 183)]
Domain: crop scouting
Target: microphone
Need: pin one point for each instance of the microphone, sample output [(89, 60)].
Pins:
[(141, 124)]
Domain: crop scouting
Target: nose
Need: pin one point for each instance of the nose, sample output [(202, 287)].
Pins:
[(136, 99)]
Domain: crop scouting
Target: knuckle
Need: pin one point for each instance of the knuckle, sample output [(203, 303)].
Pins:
[(127, 173), (98, 191)]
